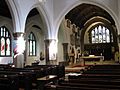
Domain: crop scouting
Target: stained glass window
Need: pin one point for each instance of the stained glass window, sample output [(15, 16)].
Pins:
[(32, 44), (5, 42), (101, 34)]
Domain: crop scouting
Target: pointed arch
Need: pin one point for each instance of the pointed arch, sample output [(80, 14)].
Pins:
[(67, 9), (14, 14)]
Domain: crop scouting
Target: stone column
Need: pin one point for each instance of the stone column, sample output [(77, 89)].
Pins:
[(18, 49), (50, 51), (65, 51), (47, 41)]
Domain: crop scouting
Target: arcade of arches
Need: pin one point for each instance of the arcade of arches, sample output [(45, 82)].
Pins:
[(54, 31)]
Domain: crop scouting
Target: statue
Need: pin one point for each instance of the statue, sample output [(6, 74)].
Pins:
[(71, 56), (41, 56)]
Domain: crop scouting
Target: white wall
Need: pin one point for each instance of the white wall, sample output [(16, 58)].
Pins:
[(63, 37)]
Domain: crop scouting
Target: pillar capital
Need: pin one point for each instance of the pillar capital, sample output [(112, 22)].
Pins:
[(49, 40), (64, 43), (18, 34)]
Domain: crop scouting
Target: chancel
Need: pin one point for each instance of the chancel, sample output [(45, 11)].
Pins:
[(59, 44)]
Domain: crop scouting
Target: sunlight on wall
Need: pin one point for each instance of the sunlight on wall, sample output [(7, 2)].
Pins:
[(53, 50), (6, 60), (20, 46)]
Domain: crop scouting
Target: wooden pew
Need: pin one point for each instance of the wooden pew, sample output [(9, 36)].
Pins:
[(113, 66), (62, 87), (9, 82), (28, 76), (87, 84), (95, 78), (25, 79), (90, 85), (58, 70)]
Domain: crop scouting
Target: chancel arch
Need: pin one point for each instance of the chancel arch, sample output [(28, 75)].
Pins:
[(80, 25), (104, 44)]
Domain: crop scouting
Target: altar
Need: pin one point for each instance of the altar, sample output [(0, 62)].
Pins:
[(83, 58)]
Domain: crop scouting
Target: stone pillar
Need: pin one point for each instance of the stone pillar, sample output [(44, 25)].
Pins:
[(18, 49), (50, 51), (65, 51), (47, 51)]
